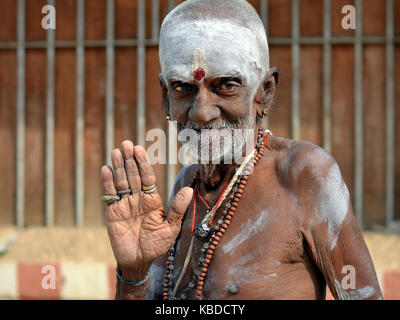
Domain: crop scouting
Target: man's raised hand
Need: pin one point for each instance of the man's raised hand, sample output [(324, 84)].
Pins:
[(137, 227)]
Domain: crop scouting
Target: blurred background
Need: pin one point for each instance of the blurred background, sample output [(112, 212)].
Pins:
[(69, 96)]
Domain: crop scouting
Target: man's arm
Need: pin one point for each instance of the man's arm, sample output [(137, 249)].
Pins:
[(152, 289), (138, 229), (329, 226)]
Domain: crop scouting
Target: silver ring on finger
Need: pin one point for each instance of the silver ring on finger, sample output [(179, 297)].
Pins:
[(110, 199), (122, 192)]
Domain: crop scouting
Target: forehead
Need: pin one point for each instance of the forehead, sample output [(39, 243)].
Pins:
[(220, 47)]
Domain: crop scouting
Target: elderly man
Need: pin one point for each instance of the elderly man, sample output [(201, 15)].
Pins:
[(278, 224)]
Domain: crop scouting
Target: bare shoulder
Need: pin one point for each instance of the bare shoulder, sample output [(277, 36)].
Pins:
[(313, 177), (305, 167)]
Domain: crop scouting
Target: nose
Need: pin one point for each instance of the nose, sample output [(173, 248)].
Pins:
[(204, 109)]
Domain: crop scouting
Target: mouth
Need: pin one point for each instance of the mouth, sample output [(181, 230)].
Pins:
[(198, 130)]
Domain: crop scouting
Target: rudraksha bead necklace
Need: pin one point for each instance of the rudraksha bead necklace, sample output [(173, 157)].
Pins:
[(239, 183)]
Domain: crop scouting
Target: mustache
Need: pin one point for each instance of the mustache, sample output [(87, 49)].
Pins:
[(215, 124)]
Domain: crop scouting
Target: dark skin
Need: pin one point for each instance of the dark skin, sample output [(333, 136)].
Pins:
[(279, 244)]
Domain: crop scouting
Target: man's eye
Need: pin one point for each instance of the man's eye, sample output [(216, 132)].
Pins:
[(182, 87), (227, 86)]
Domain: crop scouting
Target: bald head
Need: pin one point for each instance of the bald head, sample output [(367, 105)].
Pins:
[(221, 38)]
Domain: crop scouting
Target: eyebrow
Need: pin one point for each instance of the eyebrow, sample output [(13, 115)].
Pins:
[(173, 76), (237, 79), (180, 80)]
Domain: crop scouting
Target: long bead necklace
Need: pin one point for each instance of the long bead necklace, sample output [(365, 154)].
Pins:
[(236, 185)]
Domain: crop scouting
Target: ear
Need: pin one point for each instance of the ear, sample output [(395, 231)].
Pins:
[(164, 94), (266, 92)]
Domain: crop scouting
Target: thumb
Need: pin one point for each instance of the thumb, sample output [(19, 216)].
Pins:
[(179, 205)]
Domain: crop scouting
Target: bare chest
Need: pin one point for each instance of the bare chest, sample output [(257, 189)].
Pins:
[(260, 247)]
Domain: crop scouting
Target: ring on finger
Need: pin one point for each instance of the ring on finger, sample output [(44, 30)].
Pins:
[(110, 199), (122, 192), (149, 189)]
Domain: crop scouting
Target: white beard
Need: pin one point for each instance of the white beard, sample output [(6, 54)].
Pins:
[(209, 156)]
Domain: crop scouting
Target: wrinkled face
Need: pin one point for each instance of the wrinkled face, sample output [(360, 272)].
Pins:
[(219, 107), (212, 70), (212, 47)]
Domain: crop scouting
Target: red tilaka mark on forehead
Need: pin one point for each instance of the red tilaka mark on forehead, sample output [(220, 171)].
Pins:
[(199, 74)]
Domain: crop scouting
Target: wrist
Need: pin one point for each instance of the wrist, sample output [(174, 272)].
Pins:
[(132, 283), (135, 291), (133, 274)]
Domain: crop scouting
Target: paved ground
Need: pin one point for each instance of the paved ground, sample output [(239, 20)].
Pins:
[(58, 244), (84, 263), (91, 245)]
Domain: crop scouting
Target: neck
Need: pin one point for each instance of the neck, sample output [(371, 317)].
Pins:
[(221, 173)]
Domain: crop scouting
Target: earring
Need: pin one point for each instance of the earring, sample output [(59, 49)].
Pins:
[(168, 117), (264, 113)]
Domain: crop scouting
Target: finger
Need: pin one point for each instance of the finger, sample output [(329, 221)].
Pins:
[(147, 177), (131, 168), (121, 181), (107, 181), (179, 205)]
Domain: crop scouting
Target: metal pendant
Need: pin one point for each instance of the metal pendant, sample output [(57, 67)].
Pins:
[(201, 231)]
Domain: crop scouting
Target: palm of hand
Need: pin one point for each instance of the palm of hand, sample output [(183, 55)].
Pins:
[(137, 228)]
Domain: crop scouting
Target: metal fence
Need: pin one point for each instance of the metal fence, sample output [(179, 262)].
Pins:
[(142, 42)]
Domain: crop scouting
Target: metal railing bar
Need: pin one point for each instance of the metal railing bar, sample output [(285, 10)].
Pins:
[(358, 116), (264, 14), (327, 67), (155, 19), (315, 40), (264, 19), (171, 168), (295, 108), (390, 114), (60, 44), (171, 5), (80, 116), (141, 75), (110, 70), (50, 83), (20, 125)]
